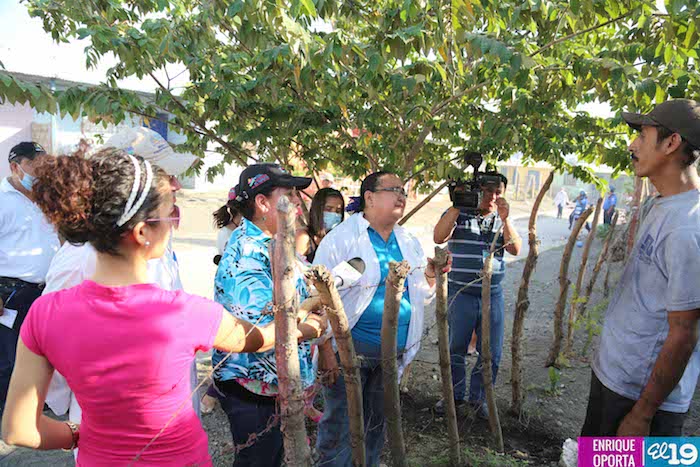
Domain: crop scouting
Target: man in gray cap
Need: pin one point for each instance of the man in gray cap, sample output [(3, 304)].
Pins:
[(647, 364)]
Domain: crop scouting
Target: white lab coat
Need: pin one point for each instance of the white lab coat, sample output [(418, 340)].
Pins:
[(351, 240)]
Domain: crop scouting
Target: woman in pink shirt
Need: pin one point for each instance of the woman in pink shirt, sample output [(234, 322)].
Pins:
[(124, 345)]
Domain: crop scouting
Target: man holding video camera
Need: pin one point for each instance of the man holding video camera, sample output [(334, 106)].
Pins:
[(470, 225)]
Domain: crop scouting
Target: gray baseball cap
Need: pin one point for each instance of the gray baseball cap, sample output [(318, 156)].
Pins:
[(681, 116)]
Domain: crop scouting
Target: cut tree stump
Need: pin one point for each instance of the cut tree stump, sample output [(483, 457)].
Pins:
[(523, 302), (390, 325), (573, 311), (563, 290), (324, 283), (286, 300), (486, 357), (441, 260)]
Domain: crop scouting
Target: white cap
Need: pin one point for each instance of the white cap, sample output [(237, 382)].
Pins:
[(327, 177), (144, 142)]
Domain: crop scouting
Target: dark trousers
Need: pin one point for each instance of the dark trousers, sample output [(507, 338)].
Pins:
[(17, 295), (560, 210), (607, 409), (608, 215), (250, 414)]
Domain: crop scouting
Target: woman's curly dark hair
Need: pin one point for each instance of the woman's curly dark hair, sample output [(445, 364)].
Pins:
[(84, 198)]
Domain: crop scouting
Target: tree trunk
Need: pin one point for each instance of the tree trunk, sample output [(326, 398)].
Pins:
[(486, 358), (390, 323), (599, 264), (563, 290), (323, 281), (581, 274), (634, 211), (441, 258), (291, 393), (425, 201), (523, 303)]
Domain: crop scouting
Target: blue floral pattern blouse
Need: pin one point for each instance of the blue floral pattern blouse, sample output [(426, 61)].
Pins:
[(243, 285)]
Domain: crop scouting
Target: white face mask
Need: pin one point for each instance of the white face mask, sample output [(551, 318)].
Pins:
[(331, 220)]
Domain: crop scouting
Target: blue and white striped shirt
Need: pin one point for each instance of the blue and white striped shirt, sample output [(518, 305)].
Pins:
[(469, 246)]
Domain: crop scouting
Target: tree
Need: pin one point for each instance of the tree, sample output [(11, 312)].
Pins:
[(402, 85)]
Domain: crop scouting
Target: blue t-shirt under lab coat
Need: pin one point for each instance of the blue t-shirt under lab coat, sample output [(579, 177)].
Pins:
[(368, 328)]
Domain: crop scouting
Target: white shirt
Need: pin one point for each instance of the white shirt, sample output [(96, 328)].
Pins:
[(561, 199), (222, 238), (27, 241), (71, 266), (350, 240)]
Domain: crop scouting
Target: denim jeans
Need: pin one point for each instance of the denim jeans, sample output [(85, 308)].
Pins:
[(249, 415), (464, 317), (333, 441)]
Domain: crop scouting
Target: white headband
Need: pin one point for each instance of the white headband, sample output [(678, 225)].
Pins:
[(132, 208)]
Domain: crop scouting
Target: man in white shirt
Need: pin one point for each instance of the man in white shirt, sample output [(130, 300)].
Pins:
[(560, 201), (27, 244), (73, 264)]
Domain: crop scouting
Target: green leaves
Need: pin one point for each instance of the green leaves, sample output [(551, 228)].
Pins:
[(396, 84)]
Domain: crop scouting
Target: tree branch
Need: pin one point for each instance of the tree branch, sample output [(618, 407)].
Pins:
[(575, 34)]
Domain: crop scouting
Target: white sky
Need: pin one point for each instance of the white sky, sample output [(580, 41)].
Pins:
[(25, 47)]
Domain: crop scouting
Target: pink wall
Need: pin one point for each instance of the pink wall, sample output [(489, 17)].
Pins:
[(15, 127)]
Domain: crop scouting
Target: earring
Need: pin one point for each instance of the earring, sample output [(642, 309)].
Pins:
[(148, 243)]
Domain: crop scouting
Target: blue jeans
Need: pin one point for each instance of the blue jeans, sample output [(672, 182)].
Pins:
[(464, 317), (333, 441)]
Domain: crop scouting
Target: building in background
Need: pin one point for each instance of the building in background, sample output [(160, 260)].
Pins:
[(63, 135)]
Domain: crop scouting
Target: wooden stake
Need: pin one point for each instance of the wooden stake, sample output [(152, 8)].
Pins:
[(291, 394), (390, 323), (486, 358), (523, 302), (441, 259), (581, 273), (425, 201), (599, 264), (564, 289), (324, 283)]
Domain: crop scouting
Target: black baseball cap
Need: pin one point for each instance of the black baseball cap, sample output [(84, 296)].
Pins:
[(681, 116), (259, 177), (25, 150)]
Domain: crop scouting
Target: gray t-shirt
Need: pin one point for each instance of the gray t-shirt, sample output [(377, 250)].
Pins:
[(661, 276)]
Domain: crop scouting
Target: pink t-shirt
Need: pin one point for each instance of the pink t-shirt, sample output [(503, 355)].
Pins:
[(126, 354)]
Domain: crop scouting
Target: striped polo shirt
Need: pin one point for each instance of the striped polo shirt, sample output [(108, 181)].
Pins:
[(469, 244)]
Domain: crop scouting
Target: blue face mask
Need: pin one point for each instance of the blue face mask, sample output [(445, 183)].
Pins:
[(27, 181), (331, 220)]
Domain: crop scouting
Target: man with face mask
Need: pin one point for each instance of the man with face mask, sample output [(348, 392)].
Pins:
[(27, 245)]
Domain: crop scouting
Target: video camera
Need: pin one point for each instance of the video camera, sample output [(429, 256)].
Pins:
[(467, 194)]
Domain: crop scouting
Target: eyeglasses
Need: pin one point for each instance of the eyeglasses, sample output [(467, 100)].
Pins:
[(397, 190), (174, 218)]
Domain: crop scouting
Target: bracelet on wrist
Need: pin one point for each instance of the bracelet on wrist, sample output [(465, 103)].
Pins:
[(75, 433)]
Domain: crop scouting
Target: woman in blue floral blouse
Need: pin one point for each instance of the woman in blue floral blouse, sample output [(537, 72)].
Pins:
[(243, 285)]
